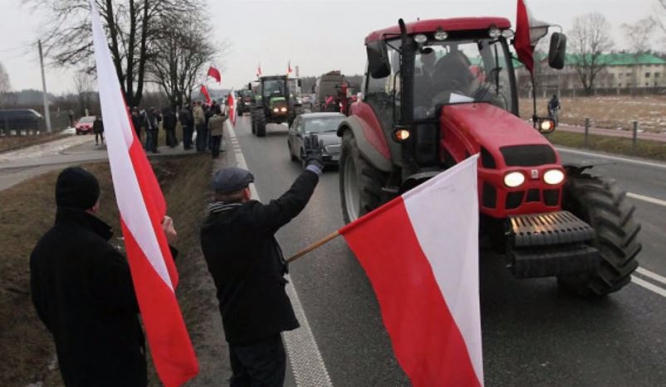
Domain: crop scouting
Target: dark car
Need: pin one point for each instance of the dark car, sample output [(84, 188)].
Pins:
[(19, 119), (325, 126)]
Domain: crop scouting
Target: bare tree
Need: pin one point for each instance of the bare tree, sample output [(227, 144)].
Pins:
[(639, 35), (182, 55), (132, 26), (5, 86), (590, 39), (83, 84)]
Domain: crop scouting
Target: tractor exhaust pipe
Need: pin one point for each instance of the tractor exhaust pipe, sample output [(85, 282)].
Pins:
[(407, 58)]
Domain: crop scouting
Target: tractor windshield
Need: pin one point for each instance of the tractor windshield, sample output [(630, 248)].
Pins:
[(274, 87), (462, 71)]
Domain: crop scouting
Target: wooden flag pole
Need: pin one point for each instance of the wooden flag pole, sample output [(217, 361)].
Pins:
[(313, 246)]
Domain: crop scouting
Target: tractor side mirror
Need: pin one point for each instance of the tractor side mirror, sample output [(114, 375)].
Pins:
[(378, 61), (557, 52)]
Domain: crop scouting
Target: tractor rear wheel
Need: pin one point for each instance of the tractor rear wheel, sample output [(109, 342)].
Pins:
[(360, 183), (603, 205)]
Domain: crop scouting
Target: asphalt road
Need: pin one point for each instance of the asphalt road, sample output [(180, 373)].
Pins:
[(533, 335)]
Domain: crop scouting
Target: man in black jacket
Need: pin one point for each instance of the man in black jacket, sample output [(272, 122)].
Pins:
[(169, 122), (247, 266), (82, 289), (187, 122)]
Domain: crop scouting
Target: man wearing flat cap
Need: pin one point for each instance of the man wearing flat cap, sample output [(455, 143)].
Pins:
[(82, 290), (245, 260)]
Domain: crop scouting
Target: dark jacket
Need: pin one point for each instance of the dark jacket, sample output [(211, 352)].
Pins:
[(246, 262), (136, 122), (98, 126), (82, 290), (185, 117), (169, 120)]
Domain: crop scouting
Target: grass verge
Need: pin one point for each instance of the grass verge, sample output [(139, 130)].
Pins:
[(10, 143), (622, 146), (28, 210)]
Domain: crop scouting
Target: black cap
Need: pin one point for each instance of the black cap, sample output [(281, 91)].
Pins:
[(231, 179), (76, 188)]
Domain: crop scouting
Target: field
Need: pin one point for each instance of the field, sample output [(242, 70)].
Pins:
[(28, 211), (607, 112)]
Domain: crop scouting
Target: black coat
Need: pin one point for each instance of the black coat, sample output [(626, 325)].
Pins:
[(82, 290), (185, 117), (170, 121), (246, 262)]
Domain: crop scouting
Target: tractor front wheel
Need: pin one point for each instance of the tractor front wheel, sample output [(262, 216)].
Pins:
[(260, 129), (360, 183), (253, 121), (603, 206)]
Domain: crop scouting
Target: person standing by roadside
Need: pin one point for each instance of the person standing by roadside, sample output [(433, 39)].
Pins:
[(136, 122), (216, 130), (187, 122), (247, 266), (200, 126), (98, 129), (82, 290), (169, 121), (554, 108), (152, 123)]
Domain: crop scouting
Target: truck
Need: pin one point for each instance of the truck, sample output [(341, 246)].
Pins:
[(437, 92)]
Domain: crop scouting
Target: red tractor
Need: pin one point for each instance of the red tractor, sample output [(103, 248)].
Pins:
[(439, 91)]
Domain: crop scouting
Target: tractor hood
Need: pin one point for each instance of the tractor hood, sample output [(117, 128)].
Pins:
[(502, 134)]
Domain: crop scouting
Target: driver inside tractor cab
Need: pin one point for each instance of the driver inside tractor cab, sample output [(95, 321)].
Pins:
[(463, 72)]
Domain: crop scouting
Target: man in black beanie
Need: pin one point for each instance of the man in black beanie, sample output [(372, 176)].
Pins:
[(82, 289)]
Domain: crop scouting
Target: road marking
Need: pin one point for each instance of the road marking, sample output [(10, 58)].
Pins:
[(304, 356), (648, 286), (651, 275), (616, 158), (647, 199)]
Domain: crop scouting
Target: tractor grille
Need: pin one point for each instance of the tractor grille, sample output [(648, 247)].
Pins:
[(528, 155), (514, 200), (551, 197), (489, 196)]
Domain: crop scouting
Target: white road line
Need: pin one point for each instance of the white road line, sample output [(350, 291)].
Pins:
[(647, 199), (616, 158), (304, 356), (651, 275), (648, 286)]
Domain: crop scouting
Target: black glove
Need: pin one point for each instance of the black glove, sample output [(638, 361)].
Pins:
[(313, 151)]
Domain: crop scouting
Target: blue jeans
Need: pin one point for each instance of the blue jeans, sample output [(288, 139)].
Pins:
[(151, 141)]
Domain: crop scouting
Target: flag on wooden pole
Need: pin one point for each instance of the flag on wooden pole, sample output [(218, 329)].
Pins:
[(421, 255), (142, 208)]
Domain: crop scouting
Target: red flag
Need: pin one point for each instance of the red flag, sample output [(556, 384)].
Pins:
[(259, 70), (215, 73), (420, 252), (528, 33), (204, 91), (289, 67), (142, 208), (231, 103)]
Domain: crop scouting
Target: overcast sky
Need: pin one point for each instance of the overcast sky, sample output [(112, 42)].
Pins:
[(318, 36)]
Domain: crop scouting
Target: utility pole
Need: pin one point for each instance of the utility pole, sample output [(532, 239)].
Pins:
[(44, 93)]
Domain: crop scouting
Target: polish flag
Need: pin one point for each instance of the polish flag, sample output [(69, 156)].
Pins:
[(289, 70), (528, 33), (231, 104), (421, 254), (204, 91), (259, 70), (142, 208), (215, 73)]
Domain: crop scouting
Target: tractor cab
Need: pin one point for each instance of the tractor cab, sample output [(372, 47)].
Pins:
[(275, 102)]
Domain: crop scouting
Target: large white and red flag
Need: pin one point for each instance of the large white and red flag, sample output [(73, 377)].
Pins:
[(231, 104), (205, 93), (142, 208), (528, 33), (421, 254)]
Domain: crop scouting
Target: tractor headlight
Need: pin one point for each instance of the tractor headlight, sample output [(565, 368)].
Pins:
[(441, 35), (508, 34), (553, 177), (494, 33), (514, 179), (276, 110), (420, 38), (283, 110)]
